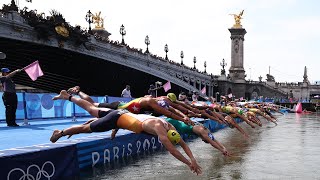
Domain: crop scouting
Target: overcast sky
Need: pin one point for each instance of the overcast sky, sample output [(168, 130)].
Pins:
[(282, 34)]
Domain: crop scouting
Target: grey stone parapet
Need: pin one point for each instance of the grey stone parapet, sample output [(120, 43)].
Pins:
[(13, 26)]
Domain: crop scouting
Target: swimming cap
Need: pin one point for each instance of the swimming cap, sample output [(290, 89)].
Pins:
[(174, 136), (172, 97), (5, 70)]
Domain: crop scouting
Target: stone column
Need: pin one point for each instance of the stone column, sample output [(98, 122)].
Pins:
[(236, 71)]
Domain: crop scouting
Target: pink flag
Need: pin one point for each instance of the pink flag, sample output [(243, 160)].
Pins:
[(204, 90), (230, 95), (33, 70), (167, 86)]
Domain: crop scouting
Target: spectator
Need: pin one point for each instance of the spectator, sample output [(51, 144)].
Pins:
[(183, 97), (126, 92), (195, 96), (9, 96)]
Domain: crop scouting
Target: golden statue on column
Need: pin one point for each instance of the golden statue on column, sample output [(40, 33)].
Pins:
[(98, 21), (237, 19)]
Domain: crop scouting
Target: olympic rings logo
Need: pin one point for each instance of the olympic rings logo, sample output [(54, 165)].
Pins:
[(27, 176)]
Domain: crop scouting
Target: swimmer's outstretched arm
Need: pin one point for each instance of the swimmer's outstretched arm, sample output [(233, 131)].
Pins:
[(200, 131), (161, 133), (244, 118), (154, 105), (184, 116), (194, 165)]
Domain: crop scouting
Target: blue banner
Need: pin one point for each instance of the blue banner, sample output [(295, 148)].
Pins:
[(56, 163), (42, 106), (111, 99)]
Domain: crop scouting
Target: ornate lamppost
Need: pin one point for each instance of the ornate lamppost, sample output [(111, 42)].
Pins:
[(223, 64), (205, 66), (182, 56), (166, 49), (89, 19), (122, 32), (194, 62), (147, 42)]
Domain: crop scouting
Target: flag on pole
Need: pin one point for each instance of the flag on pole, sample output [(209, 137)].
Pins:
[(230, 95), (203, 90), (33, 70), (167, 86)]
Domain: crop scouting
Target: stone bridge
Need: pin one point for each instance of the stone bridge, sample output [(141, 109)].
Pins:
[(250, 89), (18, 38), (104, 67)]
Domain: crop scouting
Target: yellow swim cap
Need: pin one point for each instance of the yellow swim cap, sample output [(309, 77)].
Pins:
[(174, 136), (172, 97)]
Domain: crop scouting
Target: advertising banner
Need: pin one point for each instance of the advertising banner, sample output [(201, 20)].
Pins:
[(57, 163)]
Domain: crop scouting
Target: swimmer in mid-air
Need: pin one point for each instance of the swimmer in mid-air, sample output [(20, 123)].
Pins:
[(114, 119), (199, 130)]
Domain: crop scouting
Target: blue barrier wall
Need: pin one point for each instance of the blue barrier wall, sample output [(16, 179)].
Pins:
[(106, 150), (41, 105), (66, 159), (53, 163)]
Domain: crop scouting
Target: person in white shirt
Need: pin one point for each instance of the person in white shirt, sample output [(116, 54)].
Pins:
[(126, 92)]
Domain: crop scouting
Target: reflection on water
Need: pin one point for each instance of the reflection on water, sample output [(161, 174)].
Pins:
[(290, 150)]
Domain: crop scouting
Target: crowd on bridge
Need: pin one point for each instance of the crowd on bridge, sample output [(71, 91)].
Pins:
[(140, 51)]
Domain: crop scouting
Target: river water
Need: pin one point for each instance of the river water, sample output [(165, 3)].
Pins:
[(290, 150)]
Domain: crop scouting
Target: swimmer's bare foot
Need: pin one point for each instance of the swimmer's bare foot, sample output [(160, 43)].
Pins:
[(113, 134), (55, 136), (74, 90), (63, 95)]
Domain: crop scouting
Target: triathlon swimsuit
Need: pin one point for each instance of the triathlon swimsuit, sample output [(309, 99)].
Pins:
[(116, 119), (163, 104), (107, 121), (181, 127), (132, 106), (144, 117), (113, 105)]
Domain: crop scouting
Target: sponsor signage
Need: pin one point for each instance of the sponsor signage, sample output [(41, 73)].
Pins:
[(106, 150), (57, 163)]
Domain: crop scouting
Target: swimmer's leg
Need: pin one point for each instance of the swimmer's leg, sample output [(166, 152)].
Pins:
[(92, 110)]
